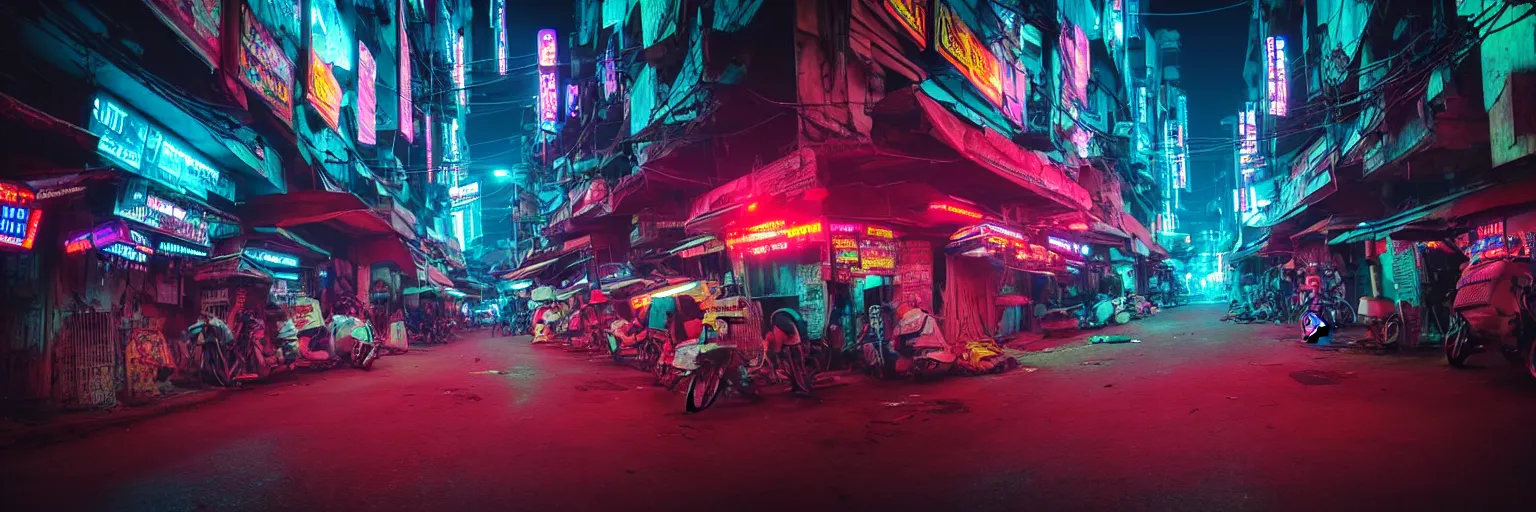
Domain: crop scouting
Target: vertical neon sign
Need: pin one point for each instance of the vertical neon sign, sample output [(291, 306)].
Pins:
[(549, 77), (407, 111), (367, 98), (572, 101), (1181, 178), (499, 28), (1275, 82), (459, 82), (428, 127)]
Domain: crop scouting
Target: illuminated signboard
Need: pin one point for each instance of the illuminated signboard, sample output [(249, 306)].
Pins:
[(499, 32), (328, 36), (18, 225), (1074, 249), (1248, 134), (1114, 25), (572, 101), (961, 47), (324, 91), (367, 96), (286, 276), (265, 66), (273, 258), (197, 21), (1074, 71), (133, 142), (1181, 176), (912, 16), (127, 252), (1015, 95), (139, 204), (949, 208), (460, 84), (464, 194), (451, 137), (774, 239), (427, 125), (169, 247), (549, 77), (407, 112), (1275, 80)]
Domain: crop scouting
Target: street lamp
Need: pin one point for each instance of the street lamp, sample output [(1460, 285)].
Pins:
[(501, 173)]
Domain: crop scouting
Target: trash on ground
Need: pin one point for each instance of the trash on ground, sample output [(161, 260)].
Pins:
[(1115, 338), (1096, 362)]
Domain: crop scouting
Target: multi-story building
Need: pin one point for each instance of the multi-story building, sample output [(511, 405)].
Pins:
[(1379, 131), (213, 157), (828, 154)]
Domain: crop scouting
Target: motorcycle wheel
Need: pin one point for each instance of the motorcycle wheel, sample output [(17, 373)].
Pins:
[(1458, 343), (217, 366), (372, 355), (703, 389), (1123, 317), (1392, 332), (1343, 315)]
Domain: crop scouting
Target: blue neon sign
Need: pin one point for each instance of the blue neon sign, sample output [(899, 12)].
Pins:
[(273, 258), (132, 141)]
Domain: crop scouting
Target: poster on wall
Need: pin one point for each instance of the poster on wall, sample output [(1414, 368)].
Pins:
[(813, 298), (367, 96), (265, 67), (914, 274), (197, 21)]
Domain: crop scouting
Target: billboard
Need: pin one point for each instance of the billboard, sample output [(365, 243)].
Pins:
[(549, 78), (130, 140), (18, 220), (407, 112), (968, 53), (912, 16), (197, 21), (1275, 85), (464, 194), (367, 96), (265, 66), (324, 91)]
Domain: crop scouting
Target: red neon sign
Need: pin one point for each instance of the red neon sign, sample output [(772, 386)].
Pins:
[(912, 15), (949, 208), (16, 195), (1078, 226), (879, 232), (960, 46)]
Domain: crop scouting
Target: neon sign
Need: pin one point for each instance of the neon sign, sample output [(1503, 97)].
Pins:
[(169, 247), (949, 208), (459, 82), (427, 125), (572, 101), (967, 53), (879, 233), (1275, 82), (1181, 171), (549, 76), (197, 21), (265, 67), (274, 258), (138, 146), (328, 37), (139, 205), (407, 111), (773, 237), (464, 194), (1074, 56), (499, 29), (912, 16), (127, 252), (367, 96), (18, 225), (1248, 134), (324, 91)]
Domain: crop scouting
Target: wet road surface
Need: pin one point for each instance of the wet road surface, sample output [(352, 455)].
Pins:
[(1203, 415)]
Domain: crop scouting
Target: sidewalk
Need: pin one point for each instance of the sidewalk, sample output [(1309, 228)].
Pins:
[(72, 425)]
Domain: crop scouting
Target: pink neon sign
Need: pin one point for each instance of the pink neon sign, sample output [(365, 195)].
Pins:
[(1275, 83), (549, 78), (407, 111)]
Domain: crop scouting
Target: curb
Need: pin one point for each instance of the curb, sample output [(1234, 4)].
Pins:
[(86, 424)]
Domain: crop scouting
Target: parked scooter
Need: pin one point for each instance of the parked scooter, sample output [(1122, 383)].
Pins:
[(1495, 300), (1104, 311), (352, 335)]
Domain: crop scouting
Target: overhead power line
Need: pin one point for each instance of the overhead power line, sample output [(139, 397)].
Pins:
[(1207, 11)]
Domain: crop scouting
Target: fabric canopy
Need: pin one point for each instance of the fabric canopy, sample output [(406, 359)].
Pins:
[(1329, 224), (291, 237), (994, 152), (436, 277), (1140, 232), (529, 269), (356, 222)]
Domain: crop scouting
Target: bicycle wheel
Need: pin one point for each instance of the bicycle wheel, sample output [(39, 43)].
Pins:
[(1343, 314), (1458, 342), (704, 389)]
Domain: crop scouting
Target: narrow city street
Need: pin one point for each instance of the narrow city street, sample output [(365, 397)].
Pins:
[(1201, 415)]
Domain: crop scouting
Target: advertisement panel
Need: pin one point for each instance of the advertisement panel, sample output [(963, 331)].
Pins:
[(265, 67), (1275, 80), (139, 146), (324, 92), (499, 33), (367, 96), (145, 205), (549, 78), (407, 112), (912, 16), (197, 21), (967, 53), (18, 221)]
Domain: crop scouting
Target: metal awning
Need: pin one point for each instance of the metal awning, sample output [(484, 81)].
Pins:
[(1427, 216)]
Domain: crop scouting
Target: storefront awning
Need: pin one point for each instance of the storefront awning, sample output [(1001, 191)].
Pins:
[(230, 266), (1429, 216), (1331, 224), (996, 153), (291, 237), (437, 277), (1250, 249), (353, 222), (698, 246), (1139, 233)]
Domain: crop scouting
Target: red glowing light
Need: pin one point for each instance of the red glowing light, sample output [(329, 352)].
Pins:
[(1078, 226), (752, 207), (15, 195), (772, 225), (879, 232), (963, 212)]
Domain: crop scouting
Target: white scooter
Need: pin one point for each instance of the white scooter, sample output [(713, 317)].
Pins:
[(923, 351), (346, 338)]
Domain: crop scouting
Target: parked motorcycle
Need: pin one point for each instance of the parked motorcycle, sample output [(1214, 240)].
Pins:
[(1495, 300), (1103, 311)]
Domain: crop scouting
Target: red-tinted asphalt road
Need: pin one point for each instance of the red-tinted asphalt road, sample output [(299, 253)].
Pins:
[(1203, 415)]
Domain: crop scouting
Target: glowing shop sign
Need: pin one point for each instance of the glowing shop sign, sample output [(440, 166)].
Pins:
[(265, 67), (549, 77), (464, 194), (1248, 134), (961, 47), (772, 237), (367, 96), (949, 208), (407, 112), (1275, 82), (127, 252), (1181, 172), (197, 21), (499, 32), (324, 92), (427, 125), (134, 143), (460, 84), (912, 16), (273, 258), (139, 205), (18, 225), (879, 233), (286, 276), (572, 101), (169, 247), (1069, 247)]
